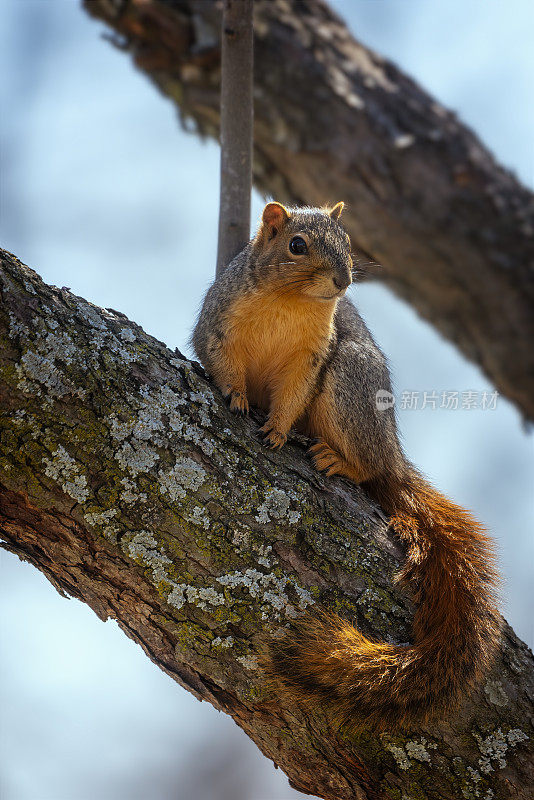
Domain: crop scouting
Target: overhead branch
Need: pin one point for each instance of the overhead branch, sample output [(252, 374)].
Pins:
[(453, 230), (127, 482)]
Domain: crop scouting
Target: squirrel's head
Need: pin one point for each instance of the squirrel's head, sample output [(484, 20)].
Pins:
[(304, 250)]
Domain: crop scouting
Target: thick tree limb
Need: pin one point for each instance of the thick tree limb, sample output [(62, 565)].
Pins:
[(126, 481), (334, 121)]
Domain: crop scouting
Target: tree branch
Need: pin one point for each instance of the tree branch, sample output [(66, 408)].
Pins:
[(126, 481), (453, 230), (236, 130)]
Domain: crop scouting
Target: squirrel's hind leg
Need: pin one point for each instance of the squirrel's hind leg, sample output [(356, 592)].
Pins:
[(329, 461)]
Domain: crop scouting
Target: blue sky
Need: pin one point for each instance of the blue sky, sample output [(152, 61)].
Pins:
[(103, 192)]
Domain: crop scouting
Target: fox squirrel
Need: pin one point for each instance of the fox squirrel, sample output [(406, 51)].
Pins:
[(276, 331)]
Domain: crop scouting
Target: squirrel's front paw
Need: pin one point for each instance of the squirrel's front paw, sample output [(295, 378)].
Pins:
[(273, 438), (238, 402)]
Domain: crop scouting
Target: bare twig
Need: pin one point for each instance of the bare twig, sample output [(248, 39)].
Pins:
[(236, 130)]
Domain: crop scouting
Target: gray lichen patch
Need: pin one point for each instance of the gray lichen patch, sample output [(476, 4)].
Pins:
[(203, 597), (199, 517), (57, 351), (130, 492), (37, 371), (193, 433), (201, 391), (249, 662), (223, 643), (92, 315), (136, 457), (158, 422), (186, 474), (474, 786), (127, 335), (400, 756), (495, 746), (276, 506), (64, 470), (157, 412), (245, 543), (275, 596), (419, 749), (264, 555), (411, 750), (101, 520), (269, 589), (143, 548)]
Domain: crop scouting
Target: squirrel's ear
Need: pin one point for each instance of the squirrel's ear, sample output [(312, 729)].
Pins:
[(335, 212), (274, 217)]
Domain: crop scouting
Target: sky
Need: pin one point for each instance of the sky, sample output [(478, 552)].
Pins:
[(103, 192)]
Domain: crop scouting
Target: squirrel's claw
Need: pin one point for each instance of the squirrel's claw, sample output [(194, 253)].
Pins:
[(273, 438), (325, 459), (238, 403)]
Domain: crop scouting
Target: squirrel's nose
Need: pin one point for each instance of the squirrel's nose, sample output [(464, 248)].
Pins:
[(342, 281)]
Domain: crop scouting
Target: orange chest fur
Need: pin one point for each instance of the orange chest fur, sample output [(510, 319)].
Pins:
[(269, 334)]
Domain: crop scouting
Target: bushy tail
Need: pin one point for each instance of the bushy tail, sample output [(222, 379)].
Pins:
[(450, 573)]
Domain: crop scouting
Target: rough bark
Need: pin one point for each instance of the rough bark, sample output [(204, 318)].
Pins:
[(236, 106), (452, 229), (126, 481)]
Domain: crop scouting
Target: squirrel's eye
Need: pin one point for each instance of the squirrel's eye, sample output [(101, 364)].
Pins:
[(298, 246)]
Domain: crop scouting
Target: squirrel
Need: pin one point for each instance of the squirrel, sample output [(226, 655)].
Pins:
[(277, 331)]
